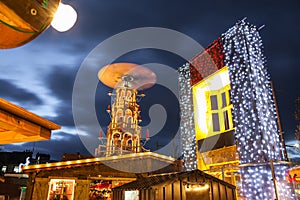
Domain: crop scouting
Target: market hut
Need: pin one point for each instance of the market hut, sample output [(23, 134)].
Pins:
[(178, 185), (93, 178)]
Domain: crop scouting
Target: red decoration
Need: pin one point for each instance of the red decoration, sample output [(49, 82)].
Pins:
[(108, 107), (207, 62), (147, 133), (100, 134), (292, 179), (100, 186)]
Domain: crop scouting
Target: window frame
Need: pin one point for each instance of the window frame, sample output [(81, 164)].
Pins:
[(220, 111)]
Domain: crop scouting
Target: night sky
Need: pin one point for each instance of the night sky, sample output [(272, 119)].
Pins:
[(40, 75)]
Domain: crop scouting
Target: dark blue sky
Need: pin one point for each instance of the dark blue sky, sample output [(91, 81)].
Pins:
[(39, 76)]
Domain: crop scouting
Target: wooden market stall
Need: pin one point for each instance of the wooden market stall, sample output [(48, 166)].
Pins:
[(20, 125), (93, 178), (190, 185)]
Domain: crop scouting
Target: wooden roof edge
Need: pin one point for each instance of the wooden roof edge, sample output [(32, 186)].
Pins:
[(168, 177), (94, 160), (25, 114)]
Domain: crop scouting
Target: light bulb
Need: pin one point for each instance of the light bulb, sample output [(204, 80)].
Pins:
[(64, 18)]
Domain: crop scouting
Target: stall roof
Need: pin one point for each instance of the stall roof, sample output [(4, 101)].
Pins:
[(148, 182), (20, 125), (134, 162)]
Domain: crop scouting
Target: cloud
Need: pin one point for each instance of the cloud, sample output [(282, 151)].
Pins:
[(13, 93), (64, 143)]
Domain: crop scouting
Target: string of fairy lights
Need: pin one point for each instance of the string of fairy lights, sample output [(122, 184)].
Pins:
[(187, 119), (252, 94), (254, 114)]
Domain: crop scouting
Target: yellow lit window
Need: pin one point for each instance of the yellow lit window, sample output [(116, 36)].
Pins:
[(61, 189), (219, 113)]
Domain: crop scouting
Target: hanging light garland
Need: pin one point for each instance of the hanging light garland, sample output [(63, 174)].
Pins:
[(254, 114), (187, 119), (251, 95)]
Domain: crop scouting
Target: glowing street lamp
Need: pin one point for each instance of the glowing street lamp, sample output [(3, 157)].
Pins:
[(64, 18)]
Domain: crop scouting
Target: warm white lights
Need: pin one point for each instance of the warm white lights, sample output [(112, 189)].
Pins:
[(64, 18)]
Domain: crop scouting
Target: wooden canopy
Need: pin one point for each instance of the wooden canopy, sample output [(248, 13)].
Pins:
[(20, 125), (22, 21), (128, 163)]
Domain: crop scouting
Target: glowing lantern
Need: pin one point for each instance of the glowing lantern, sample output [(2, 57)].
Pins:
[(64, 18)]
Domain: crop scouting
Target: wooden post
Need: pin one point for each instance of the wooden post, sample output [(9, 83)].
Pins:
[(274, 179), (30, 186)]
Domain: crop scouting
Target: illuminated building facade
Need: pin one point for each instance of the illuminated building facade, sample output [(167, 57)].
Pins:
[(229, 120)]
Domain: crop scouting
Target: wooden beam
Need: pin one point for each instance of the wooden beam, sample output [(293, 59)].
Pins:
[(20, 125), (14, 123), (25, 114), (8, 137), (22, 21)]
